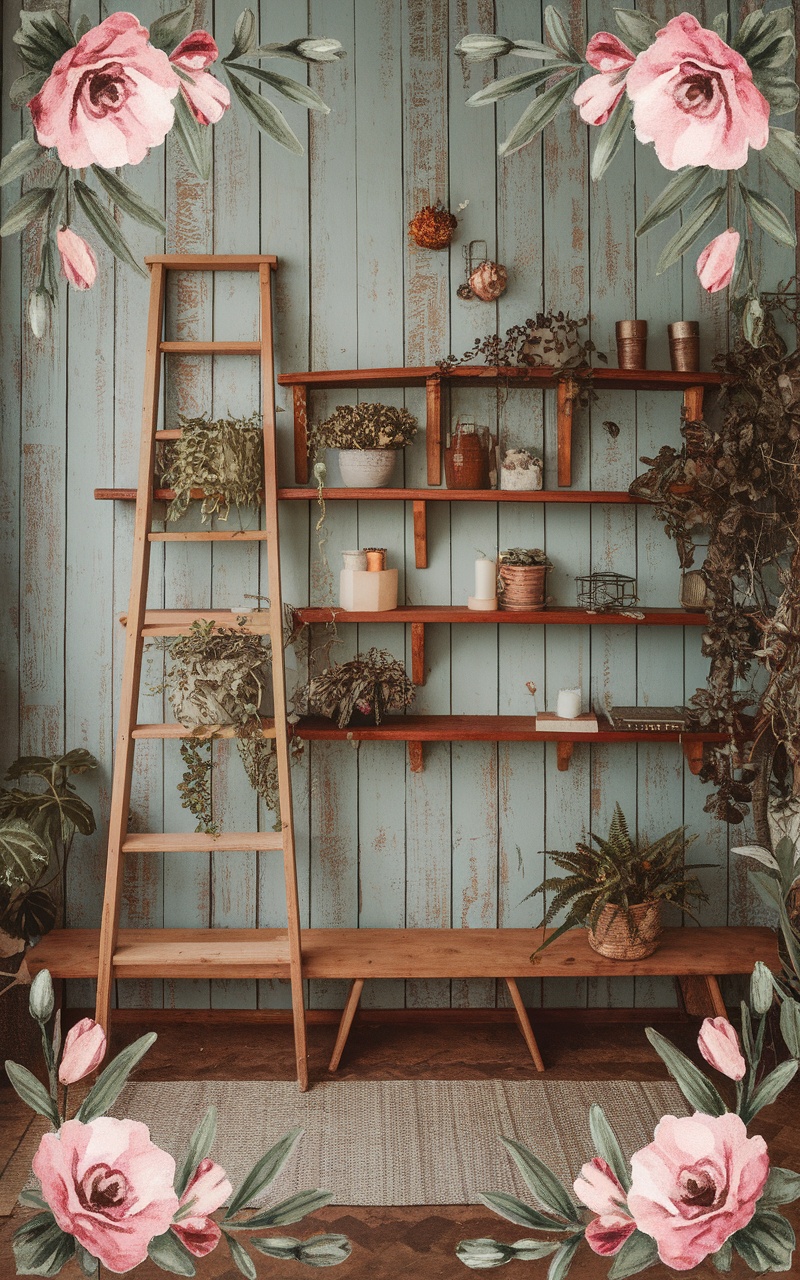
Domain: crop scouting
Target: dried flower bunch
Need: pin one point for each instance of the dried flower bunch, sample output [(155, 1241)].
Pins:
[(520, 460), (370, 425), (621, 873), (550, 339), (223, 458), (520, 556), (372, 683), (433, 227)]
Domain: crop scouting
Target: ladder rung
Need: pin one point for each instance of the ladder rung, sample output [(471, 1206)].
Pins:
[(211, 348), (213, 261), (173, 433), (198, 842), (177, 622), (205, 731), (216, 535)]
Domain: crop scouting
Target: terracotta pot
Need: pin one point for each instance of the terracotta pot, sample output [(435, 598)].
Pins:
[(523, 586), (466, 463), (366, 468), (613, 937)]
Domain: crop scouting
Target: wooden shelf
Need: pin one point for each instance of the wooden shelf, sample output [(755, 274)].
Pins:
[(172, 953), (567, 382)]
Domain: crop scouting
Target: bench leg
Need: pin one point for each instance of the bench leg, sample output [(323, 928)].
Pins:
[(701, 996), (525, 1024), (346, 1023)]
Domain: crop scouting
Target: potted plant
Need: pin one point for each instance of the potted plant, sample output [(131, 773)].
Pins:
[(222, 460), (520, 469), (522, 572), (360, 690), (617, 889), (367, 437)]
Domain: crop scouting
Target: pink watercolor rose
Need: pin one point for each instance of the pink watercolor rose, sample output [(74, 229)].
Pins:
[(207, 98), (717, 261), (598, 1187), (597, 97), (719, 1045), (209, 1187), (696, 1184), (108, 1186), (80, 267), (108, 99), (85, 1045), (694, 98)]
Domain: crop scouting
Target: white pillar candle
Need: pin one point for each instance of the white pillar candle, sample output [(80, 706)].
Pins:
[(568, 705), (485, 579)]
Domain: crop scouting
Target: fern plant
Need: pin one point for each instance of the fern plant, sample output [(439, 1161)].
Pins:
[(620, 873)]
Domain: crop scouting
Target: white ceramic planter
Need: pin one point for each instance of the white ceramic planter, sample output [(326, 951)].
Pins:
[(517, 478), (366, 468)]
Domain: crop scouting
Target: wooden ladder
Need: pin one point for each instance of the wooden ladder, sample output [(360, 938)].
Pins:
[(197, 953)]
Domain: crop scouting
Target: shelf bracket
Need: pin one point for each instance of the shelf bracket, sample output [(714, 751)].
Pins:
[(433, 429), (415, 758), (300, 398), (566, 395), (693, 404), (418, 652), (693, 750), (564, 755), (420, 533)]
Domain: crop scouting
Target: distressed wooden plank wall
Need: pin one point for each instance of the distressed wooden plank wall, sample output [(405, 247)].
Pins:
[(462, 842)]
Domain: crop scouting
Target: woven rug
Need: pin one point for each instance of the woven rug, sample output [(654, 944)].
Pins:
[(427, 1142)]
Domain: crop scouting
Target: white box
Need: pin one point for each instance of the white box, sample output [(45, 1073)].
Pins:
[(368, 591)]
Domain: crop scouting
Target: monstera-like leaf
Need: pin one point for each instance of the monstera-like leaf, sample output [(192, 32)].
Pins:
[(23, 854)]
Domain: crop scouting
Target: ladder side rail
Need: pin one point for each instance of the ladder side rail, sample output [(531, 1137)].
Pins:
[(278, 670), (134, 644)]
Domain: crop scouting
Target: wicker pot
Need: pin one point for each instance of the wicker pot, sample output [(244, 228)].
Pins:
[(522, 586), (466, 462), (366, 468), (613, 937)]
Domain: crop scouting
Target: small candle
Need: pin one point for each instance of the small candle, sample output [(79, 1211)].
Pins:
[(485, 579), (568, 705)]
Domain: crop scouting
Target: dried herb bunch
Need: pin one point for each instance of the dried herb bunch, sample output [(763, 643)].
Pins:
[(365, 426), (621, 873), (524, 556), (551, 339), (740, 484), (372, 683), (433, 226), (224, 458)]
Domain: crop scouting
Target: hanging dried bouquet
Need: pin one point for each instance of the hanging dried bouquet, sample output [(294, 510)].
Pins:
[(221, 458)]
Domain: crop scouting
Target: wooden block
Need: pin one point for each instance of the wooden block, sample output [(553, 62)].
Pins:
[(420, 534), (301, 468), (418, 652), (565, 402), (433, 439), (415, 757), (693, 404)]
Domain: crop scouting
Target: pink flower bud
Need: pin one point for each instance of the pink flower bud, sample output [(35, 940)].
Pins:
[(716, 262), (77, 259), (719, 1045), (84, 1050), (209, 1187)]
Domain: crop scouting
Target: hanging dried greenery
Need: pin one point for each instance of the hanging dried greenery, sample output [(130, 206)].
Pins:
[(551, 340), (740, 485), (223, 458), (364, 426), (372, 684)]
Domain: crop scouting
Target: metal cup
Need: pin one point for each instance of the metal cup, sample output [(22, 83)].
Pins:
[(684, 346), (632, 344)]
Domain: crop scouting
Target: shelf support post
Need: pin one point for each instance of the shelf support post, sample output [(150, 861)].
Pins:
[(433, 429), (564, 755), (415, 758), (701, 996), (420, 533), (566, 394), (693, 750), (300, 398), (693, 404), (418, 652)]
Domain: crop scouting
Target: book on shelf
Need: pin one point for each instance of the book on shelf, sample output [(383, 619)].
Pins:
[(648, 719), (549, 722)]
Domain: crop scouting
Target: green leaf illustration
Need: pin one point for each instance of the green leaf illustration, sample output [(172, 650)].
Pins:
[(780, 91), (323, 1251), (40, 1247), (167, 32), (542, 1181), (638, 31), (23, 854), (766, 39), (128, 200), (509, 85), (193, 138), (699, 1092), (607, 1146), (292, 1210), (559, 35), (523, 1214), (768, 216), (26, 87), (637, 1254), (782, 152), (783, 1187), (562, 1261), (22, 157), (241, 1257), (771, 1087), (30, 207), (790, 1026), (283, 1247), (611, 137), (244, 34), (695, 222), (199, 1146), (32, 1092), (483, 1255), (83, 25), (112, 1081), (723, 1258), (170, 1255), (105, 226), (264, 1172), (42, 39), (538, 114), (294, 90), (720, 25), (673, 197), (766, 1243), (267, 116)]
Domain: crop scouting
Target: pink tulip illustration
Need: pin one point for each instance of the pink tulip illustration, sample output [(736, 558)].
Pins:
[(108, 99), (694, 99), (600, 1190), (719, 1045), (108, 1186), (716, 263), (597, 97), (207, 98), (84, 1050), (208, 1188), (79, 266), (696, 1184)]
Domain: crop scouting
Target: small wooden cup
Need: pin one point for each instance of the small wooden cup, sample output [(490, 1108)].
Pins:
[(632, 344)]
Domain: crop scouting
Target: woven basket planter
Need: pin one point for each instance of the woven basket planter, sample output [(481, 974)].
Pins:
[(523, 586), (613, 937)]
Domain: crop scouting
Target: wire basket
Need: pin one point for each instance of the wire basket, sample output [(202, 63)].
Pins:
[(604, 592)]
